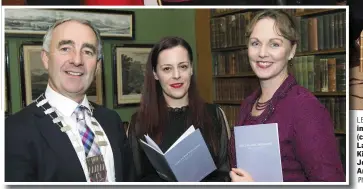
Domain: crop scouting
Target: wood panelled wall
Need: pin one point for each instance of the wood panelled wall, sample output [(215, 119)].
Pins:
[(204, 56)]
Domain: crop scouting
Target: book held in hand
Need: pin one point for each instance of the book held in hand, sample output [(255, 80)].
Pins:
[(258, 151), (187, 160)]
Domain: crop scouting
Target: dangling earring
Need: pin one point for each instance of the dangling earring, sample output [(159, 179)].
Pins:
[(290, 61)]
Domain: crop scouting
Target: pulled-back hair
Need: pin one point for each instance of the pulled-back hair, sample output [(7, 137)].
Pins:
[(284, 26)]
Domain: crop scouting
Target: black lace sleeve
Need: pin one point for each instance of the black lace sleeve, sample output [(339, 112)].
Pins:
[(223, 167), (143, 171)]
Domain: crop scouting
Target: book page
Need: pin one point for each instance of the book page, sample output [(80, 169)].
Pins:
[(182, 137), (151, 143), (156, 150)]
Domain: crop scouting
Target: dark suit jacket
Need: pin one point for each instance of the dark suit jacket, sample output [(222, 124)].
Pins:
[(37, 150)]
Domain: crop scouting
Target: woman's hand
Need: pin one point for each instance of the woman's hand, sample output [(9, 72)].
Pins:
[(239, 175)]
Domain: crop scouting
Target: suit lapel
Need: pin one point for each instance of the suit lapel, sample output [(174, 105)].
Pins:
[(60, 143), (109, 127)]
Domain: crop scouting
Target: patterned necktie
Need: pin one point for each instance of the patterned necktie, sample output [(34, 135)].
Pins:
[(90, 147), (94, 159)]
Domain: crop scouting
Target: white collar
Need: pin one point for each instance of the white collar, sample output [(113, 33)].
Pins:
[(63, 104)]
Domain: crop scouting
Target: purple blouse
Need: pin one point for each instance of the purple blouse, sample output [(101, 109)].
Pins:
[(308, 147)]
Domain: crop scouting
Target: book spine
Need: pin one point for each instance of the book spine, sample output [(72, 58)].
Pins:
[(313, 34), (321, 32), (332, 87), (317, 72), (310, 69), (327, 23), (333, 32)]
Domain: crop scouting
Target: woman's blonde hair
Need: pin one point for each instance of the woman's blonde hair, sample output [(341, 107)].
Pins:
[(284, 26)]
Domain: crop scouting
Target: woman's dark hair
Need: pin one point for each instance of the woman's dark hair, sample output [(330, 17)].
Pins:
[(152, 115)]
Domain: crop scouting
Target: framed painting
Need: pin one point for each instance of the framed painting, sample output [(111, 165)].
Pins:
[(96, 91), (34, 76), (111, 23), (129, 67), (7, 99)]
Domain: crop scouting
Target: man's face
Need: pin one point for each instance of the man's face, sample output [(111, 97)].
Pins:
[(72, 59)]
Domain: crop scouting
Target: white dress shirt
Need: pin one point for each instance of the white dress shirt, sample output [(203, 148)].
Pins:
[(65, 108)]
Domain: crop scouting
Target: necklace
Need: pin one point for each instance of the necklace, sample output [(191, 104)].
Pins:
[(262, 105)]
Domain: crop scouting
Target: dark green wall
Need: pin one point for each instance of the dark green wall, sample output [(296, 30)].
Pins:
[(150, 26)]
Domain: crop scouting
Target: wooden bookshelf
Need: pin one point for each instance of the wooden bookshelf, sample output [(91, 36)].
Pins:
[(230, 48), (313, 12), (322, 52), (306, 12), (229, 90), (246, 74), (337, 132), (230, 12), (329, 94)]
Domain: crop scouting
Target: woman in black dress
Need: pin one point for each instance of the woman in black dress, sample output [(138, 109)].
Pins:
[(170, 104)]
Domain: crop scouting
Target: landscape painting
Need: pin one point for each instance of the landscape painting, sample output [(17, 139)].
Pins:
[(129, 71), (110, 23), (35, 77), (96, 90)]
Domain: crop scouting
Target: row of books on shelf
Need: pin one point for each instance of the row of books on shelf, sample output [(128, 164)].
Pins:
[(231, 112), (216, 12), (335, 105), (322, 32), (231, 63), (234, 89), (337, 109), (230, 30), (321, 73), (297, 12)]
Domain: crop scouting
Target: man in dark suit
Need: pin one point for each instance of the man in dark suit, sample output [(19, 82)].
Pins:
[(62, 137)]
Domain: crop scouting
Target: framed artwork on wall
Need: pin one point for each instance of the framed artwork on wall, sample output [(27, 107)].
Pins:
[(34, 77), (7, 99), (129, 67), (96, 91), (111, 23)]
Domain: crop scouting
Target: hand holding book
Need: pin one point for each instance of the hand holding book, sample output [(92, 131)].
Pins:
[(240, 175), (187, 160)]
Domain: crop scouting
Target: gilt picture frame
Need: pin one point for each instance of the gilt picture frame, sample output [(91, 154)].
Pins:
[(111, 23), (129, 67), (7, 99)]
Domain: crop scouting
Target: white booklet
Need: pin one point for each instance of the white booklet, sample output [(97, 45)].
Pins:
[(187, 160), (258, 151)]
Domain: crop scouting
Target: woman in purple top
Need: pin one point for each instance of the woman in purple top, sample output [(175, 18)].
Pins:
[(308, 146)]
